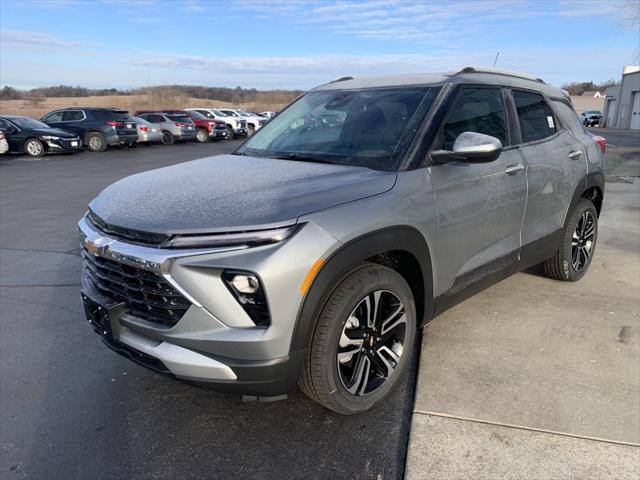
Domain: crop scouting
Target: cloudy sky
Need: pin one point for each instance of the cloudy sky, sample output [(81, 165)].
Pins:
[(296, 44)]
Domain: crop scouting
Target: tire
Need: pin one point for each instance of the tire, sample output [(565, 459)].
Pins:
[(34, 148), (334, 382), (96, 142), (251, 130), (579, 236), (168, 138), (232, 135), (202, 135)]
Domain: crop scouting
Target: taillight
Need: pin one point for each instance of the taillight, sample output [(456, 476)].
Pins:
[(144, 129), (601, 141), (178, 124), (113, 123)]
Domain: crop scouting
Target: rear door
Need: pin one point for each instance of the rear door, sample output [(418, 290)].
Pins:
[(556, 162), (480, 206)]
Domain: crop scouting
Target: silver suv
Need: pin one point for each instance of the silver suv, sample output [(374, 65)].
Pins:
[(314, 253)]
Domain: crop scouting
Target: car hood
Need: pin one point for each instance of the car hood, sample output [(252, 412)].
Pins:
[(53, 131), (232, 192)]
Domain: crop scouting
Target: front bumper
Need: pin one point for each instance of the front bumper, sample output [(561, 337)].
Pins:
[(218, 134), (215, 343), (63, 145)]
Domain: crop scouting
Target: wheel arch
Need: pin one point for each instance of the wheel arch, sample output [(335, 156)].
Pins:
[(401, 248), (590, 187), (33, 137)]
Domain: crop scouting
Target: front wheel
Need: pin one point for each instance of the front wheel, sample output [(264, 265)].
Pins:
[(577, 245), (362, 341), (34, 148), (232, 134), (202, 135)]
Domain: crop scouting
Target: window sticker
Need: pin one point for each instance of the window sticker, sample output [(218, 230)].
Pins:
[(550, 121)]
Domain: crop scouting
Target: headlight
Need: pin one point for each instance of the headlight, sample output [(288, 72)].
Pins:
[(50, 137), (250, 239)]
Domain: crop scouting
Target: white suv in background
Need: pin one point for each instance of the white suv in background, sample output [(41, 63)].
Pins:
[(236, 125), (254, 122)]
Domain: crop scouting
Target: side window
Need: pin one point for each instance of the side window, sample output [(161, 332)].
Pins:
[(53, 117), (72, 116), (569, 117), (535, 116), (4, 125), (478, 110)]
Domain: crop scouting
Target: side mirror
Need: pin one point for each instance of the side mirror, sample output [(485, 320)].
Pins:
[(470, 147)]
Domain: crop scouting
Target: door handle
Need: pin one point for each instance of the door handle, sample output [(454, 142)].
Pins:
[(514, 168), (575, 154)]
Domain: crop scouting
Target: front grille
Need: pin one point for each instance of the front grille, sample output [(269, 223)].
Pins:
[(147, 295), (126, 234), (243, 124)]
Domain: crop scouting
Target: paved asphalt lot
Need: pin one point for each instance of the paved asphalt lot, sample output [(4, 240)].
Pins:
[(72, 409)]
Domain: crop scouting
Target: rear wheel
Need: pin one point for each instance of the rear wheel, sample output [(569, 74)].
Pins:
[(167, 138), (362, 342), (202, 135), (577, 246), (96, 142), (34, 148)]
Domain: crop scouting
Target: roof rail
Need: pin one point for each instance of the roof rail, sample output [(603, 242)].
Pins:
[(497, 71), (341, 79)]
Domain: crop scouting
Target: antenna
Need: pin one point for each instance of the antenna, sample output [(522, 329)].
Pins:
[(496, 60)]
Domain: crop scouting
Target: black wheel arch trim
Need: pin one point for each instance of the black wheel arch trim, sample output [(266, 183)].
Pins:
[(593, 179), (341, 262)]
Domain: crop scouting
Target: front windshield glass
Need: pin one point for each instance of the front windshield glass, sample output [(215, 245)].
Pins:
[(197, 115), (29, 123), (220, 113), (243, 114), (369, 128)]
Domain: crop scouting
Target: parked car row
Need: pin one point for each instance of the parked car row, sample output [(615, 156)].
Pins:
[(96, 129)]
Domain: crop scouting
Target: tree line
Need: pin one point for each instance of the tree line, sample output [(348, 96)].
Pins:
[(578, 88), (234, 95)]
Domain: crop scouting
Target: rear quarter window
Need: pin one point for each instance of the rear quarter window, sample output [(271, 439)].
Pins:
[(534, 115)]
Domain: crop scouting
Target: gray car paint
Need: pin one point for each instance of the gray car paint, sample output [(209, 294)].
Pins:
[(469, 215), (232, 192)]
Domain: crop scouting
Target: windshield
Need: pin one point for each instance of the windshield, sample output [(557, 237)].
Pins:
[(197, 115), (369, 128), (26, 122), (219, 113), (243, 114)]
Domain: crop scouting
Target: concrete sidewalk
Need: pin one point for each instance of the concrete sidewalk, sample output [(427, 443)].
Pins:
[(535, 378)]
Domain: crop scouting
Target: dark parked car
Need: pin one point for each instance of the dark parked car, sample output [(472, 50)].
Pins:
[(26, 135), (206, 128), (98, 128)]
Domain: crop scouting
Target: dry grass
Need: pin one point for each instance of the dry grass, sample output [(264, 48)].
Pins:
[(160, 98), (582, 104)]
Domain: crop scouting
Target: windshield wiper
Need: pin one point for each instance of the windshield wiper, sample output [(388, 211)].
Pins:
[(299, 157)]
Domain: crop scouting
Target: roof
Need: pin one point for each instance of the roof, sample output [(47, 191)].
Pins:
[(475, 75)]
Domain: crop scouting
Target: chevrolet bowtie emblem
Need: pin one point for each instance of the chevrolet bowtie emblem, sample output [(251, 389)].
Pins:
[(95, 247)]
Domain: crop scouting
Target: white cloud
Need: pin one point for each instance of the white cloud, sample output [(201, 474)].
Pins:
[(19, 38)]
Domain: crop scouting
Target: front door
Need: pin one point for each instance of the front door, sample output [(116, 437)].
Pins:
[(480, 206)]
